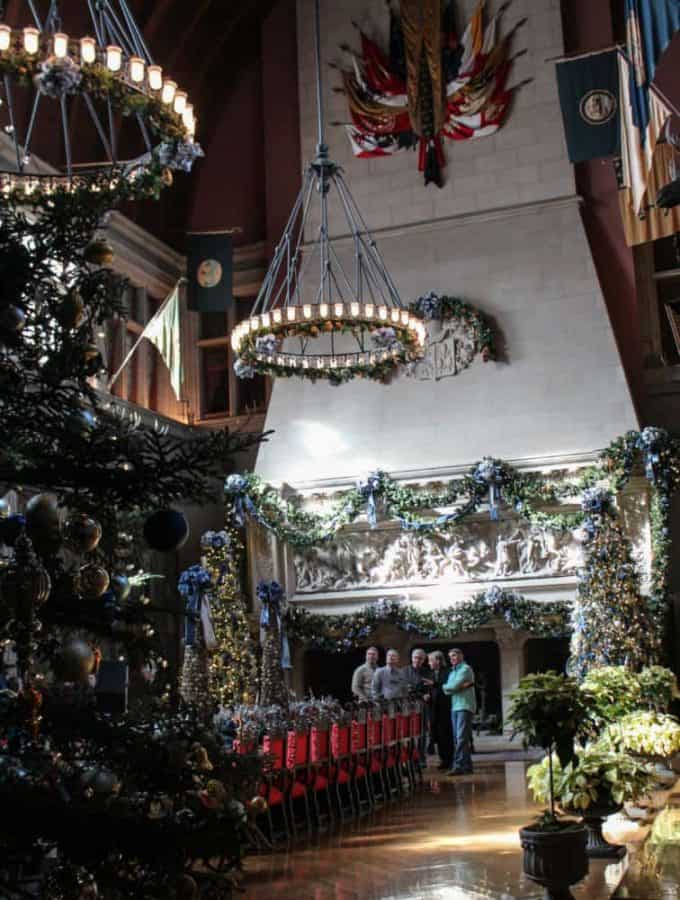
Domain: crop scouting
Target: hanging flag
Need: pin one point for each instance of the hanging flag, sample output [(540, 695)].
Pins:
[(650, 26), (637, 147), (209, 271), (588, 86), (163, 330)]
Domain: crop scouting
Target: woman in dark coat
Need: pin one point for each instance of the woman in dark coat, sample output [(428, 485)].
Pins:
[(441, 732)]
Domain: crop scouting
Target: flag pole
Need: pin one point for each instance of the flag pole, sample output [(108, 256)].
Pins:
[(141, 337)]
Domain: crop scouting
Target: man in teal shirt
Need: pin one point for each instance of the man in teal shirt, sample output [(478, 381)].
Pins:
[(460, 686)]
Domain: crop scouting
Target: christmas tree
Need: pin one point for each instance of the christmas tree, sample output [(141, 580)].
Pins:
[(125, 803), (611, 621)]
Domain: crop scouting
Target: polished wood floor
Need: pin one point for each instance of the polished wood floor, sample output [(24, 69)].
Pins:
[(456, 839)]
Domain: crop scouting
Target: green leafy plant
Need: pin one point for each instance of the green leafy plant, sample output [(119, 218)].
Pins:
[(647, 733), (598, 775), (547, 709), (610, 693), (657, 687)]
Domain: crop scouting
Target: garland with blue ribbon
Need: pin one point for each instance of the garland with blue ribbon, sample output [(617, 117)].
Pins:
[(349, 631), (192, 585), (271, 596), (491, 481)]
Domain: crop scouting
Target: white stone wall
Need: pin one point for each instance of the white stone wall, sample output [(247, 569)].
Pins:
[(505, 234)]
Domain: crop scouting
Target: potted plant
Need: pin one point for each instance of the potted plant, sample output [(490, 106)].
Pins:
[(547, 709), (652, 735), (594, 784)]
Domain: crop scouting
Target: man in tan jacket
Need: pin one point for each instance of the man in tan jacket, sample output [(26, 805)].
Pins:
[(363, 675)]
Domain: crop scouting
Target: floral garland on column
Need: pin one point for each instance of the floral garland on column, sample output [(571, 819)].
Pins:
[(349, 631), (490, 481)]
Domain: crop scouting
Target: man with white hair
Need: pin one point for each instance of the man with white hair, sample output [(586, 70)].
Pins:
[(389, 682), (418, 675)]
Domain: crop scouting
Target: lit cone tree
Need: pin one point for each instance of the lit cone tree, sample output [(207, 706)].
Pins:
[(232, 664), (612, 626)]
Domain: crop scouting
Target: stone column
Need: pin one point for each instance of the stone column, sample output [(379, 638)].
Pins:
[(511, 649)]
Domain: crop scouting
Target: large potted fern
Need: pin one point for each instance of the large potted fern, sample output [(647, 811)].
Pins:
[(547, 709)]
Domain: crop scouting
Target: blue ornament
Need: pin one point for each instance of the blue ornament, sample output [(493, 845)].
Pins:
[(166, 530)]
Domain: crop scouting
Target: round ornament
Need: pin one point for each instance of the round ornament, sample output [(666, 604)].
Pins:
[(186, 888), (42, 523), (42, 512), (120, 586), (102, 781), (99, 253), (81, 422), (82, 533), (74, 661), (72, 311), (94, 581), (166, 530), (12, 319)]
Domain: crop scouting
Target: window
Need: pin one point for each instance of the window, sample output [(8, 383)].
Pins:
[(222, 393)]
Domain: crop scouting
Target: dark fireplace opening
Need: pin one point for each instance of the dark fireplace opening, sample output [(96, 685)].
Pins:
[(331, 673), (546, 654), (484, 658)]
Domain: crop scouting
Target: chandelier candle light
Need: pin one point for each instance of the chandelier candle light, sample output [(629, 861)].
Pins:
[(351, 322), (114, 73)]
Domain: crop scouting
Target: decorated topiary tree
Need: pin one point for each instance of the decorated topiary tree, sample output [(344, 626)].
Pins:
[(612, 625)]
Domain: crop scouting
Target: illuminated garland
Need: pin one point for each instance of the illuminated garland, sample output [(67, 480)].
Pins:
[(490, 481), (349, 631), (233, 664)]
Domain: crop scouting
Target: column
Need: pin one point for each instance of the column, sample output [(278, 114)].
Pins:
[(511, 649)]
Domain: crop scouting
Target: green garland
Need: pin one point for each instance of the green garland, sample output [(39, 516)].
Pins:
[(492, 480), (97, 81), (446, 309), (349, 631)]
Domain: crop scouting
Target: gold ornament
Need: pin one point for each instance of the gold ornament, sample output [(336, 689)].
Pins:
[(99, 253), (82, 532), (94, 581)]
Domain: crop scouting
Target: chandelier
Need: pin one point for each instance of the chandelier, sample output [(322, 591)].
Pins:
[(112, 72), (350, 321)]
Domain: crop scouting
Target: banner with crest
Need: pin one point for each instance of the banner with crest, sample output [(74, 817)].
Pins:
[(430, 85)]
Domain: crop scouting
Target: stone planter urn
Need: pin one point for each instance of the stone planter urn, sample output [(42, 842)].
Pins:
[(555, 859), (598, 847)]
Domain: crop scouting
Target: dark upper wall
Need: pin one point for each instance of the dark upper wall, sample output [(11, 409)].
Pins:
[(589, 26)]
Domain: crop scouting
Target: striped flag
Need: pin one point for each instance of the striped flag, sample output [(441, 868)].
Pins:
[(163, 330), (650, 26), (638, 144)]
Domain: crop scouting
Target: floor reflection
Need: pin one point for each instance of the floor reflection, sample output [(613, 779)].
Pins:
[(456, 839)]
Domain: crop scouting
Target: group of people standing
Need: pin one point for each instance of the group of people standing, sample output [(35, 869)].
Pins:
[(449, 695)]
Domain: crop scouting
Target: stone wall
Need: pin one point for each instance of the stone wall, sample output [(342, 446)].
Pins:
[(504, 233)]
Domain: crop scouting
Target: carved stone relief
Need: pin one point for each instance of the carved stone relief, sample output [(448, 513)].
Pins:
[(451, 347), (476, 552)]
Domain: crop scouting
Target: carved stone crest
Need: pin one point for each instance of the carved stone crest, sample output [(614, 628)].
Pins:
[(451, 347)]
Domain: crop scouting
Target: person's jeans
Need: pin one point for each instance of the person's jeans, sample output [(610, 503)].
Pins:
[(461, 721)]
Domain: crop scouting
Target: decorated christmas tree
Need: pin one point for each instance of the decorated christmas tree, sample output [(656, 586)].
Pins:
[(611, 620), (122, 802), (224, 659)]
